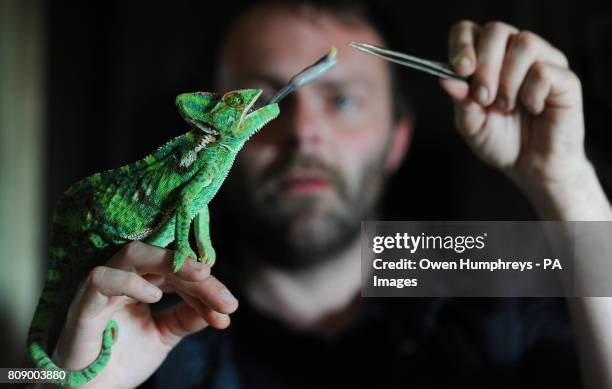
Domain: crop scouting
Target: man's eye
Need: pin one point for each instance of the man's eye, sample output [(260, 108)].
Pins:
[(343, 102)]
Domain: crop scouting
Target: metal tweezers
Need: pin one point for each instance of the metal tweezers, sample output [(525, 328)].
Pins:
[(439, 69)]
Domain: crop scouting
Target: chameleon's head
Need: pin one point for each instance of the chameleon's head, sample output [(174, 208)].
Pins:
[(231, 117)]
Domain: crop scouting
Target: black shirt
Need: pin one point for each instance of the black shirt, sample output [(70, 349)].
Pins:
[(432, 343)]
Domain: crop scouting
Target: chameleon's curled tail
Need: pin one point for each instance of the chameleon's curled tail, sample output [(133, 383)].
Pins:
[(77, 377), (44, 318)]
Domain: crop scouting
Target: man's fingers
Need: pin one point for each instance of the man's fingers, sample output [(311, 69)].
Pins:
[(213, 318), (177, 322), (490, 52), (105, 283), (193, 302), (161, 282), (503, 58), (142, 258), (211, 292), (462, 47), (549, 85), (209, 298), (469, 115), (457, 90), (524, 49), (183, 319)]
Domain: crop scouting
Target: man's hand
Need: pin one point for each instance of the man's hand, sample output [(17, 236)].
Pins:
[(121, 290), (522, 112)]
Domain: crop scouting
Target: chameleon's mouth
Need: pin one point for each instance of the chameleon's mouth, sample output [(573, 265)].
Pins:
[(264, 109)]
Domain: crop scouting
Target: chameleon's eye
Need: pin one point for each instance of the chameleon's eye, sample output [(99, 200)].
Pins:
[(234, 100)]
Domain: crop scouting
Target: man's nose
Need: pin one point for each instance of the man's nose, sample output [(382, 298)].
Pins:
[(306, 123)]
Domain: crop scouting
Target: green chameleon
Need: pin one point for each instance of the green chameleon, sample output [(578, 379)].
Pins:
[(153, 200)]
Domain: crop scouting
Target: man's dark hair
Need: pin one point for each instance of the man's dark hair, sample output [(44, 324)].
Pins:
[(348, 11)]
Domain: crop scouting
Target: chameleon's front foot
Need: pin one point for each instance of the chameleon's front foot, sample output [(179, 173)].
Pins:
[(180, 256), (209, 256), (202, 235)]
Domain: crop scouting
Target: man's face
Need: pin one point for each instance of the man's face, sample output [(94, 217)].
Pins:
[(308, 178)]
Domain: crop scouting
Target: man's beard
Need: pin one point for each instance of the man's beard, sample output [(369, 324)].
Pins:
[(299, 231)]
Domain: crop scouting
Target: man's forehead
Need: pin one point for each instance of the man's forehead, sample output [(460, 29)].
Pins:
[(282, 43)]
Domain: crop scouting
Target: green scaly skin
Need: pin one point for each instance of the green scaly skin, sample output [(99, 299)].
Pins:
[(154, 200)]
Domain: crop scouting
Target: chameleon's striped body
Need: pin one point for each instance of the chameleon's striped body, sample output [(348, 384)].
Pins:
[(153, 200)]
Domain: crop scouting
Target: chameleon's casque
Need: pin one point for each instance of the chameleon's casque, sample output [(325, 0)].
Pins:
[(154, 200)]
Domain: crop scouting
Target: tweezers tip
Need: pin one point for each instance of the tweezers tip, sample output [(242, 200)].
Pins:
[(333, 51)]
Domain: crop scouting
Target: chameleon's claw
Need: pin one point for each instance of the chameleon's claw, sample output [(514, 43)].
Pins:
[(209, 258), (180, 256)]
